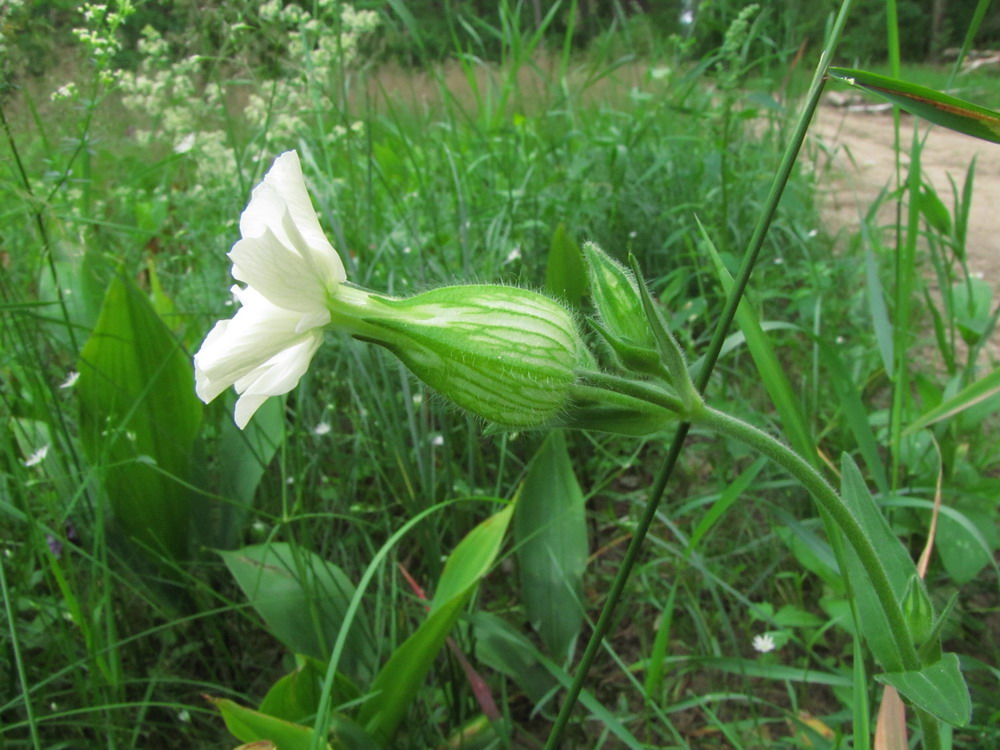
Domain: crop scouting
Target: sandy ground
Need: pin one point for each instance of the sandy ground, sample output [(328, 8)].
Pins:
[(857, 150)]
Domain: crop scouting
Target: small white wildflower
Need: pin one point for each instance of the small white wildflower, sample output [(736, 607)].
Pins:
[(812, 233), (779, 260), (840, 339), (323, 428), (512, 255), (633, 234), (976, 275), (66, 91), (407, 250), (763, 643), (71, 379), (437, 441), (418, 398), (186, 144), (37, 457), (184, 716)]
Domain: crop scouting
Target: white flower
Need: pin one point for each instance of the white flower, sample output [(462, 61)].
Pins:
[(291, 272), (71, 379), (37, 457), (185, 144), (763, 643)]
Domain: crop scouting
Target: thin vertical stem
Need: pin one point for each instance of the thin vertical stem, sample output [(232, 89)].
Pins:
[(711, 356)]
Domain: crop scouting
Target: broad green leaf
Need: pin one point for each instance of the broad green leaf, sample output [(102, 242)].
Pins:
[(248, 725), (402, 677), (967, 535), (565, 275), (302, 599), (139, 417), (934, 210), (973, 302), (550, 532), (966, 541), (897, 563), (296, 695), (938, 689), (931, 105), (969, 396)]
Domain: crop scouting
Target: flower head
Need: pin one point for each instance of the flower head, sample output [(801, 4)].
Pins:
[(291, 271), (764, 643)]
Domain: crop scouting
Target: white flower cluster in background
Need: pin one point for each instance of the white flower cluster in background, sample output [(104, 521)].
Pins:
[(99, 35), (175, 107)]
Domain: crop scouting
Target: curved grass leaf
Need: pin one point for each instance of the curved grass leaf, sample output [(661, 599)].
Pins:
[(933, 106), (969, 396)]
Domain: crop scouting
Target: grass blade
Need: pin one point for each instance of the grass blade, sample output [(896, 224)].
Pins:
[(933, 106)]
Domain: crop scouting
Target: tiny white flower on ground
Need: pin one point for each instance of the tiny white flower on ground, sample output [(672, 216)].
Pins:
[(322, 428), (291, 271), (763, 643), (37, 457)]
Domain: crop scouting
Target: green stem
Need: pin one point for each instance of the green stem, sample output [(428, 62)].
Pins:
[(837, 509), (711, 356)]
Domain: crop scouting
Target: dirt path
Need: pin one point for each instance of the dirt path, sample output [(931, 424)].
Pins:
[(858, 148)]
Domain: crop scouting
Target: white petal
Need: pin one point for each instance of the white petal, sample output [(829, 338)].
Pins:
[(278, 375), (257, 334), (281, 204), (279, 273)]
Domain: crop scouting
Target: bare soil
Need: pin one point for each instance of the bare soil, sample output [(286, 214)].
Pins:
[(856, 151)]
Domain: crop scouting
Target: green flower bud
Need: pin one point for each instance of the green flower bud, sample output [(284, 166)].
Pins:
[(918, 610), (616, 297), (506, 354)]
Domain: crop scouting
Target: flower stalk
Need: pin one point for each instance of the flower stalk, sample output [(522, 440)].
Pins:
[(831, 502)]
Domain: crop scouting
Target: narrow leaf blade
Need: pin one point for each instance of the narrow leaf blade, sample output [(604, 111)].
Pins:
[(933, 106)]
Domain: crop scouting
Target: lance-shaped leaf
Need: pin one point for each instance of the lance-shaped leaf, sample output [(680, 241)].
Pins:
[(550, 529), (139, 418), (938, 689), (931, 105)]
